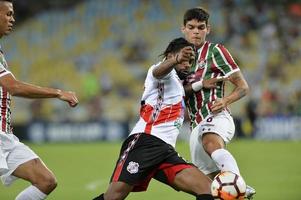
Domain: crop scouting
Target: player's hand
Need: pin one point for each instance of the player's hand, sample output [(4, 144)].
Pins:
[(211, 83), (185, 55), (218, 106), (69, 97)]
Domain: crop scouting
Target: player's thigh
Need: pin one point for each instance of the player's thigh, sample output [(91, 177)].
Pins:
[(199, 156), (34, 171), (118, 191), (192, 181)]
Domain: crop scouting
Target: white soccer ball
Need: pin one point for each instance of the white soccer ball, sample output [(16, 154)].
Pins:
[(228, 186)]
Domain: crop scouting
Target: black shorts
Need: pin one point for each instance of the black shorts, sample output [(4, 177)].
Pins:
[(143, 157)]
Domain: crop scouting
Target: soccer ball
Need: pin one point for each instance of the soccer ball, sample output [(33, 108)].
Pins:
[(228, 186)]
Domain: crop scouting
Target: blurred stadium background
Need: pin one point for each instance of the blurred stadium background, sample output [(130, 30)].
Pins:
[(101, 49)]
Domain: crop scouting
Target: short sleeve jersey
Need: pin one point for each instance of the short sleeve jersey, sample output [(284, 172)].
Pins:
[(162, 107), (213, 60)]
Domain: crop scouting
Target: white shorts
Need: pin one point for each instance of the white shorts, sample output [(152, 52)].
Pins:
[(13, 153), (223, 125)]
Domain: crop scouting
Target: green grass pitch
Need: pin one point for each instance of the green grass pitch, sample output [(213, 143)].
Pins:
[(83, 170)]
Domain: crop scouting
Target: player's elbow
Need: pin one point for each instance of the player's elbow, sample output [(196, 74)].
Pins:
[(244, 90), (158, 74), (13, 89)]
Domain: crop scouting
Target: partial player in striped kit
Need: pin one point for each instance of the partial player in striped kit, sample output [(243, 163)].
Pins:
[(211, 121), (149, 151), (16, 159)]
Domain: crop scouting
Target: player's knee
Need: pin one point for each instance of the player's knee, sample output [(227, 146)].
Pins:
[(47, 183), (211, 142), (200, 186), (192, 181), (51, 182), (211, 146)]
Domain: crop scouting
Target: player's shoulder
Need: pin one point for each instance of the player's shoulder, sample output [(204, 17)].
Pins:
[(219, 48), (212, 46), (154, 66), (151, 69), (216, 45)]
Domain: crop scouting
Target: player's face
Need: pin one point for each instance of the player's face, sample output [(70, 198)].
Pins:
[(6, 17), (183, 69), (195, 32)]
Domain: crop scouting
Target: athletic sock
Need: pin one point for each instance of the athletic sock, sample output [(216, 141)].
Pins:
[(31, 193), (204, 197), (100, 197), (225, 161)]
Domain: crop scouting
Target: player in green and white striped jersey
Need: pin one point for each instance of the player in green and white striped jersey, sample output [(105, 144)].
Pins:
[(17, 160), (211, 121)]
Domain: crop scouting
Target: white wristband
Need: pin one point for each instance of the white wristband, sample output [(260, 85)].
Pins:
[(197, 86)]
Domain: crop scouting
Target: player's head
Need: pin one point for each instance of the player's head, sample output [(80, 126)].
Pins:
[(172, 49), (6, 17), (195, 26)]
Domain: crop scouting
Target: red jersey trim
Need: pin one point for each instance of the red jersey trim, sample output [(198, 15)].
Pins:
[(167, 114)]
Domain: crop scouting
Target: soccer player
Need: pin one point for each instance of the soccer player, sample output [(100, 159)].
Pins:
[(211, 120), (149, 151), (16, 159)]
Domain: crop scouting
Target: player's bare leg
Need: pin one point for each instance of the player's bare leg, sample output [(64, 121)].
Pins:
[(192, 181), (42, 179), (213, 174), (116, 191), (214, 146)]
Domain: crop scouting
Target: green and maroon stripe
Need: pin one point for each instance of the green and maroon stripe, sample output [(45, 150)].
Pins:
[(198, 96), (216, 61), (224, 60)]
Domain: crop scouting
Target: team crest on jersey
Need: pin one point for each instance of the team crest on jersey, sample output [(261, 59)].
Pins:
[(201, 64), (133, 167)]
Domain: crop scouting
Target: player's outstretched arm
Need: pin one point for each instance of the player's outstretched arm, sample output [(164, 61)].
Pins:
[(26, 90)]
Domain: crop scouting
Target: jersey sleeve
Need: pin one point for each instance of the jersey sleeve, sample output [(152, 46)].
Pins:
[(224, 61), (3, 70)]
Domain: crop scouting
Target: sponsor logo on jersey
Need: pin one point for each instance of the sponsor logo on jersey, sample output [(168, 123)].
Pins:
[(178, 123), (132, 167)]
